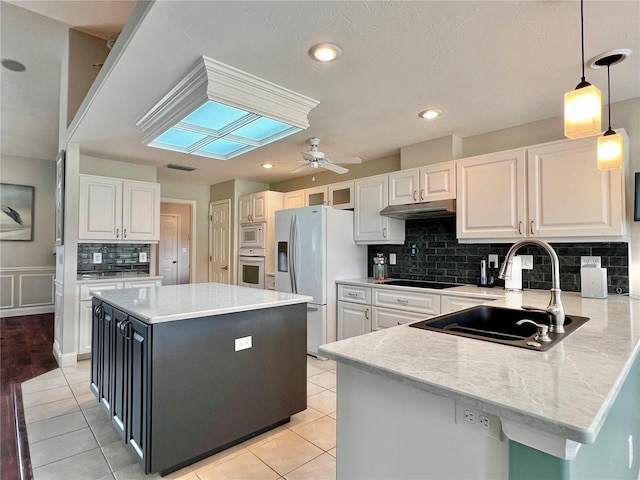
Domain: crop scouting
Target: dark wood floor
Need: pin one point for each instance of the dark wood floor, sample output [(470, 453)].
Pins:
[(25, 352)]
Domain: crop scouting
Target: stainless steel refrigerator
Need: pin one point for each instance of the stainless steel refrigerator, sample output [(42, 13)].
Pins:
[(314, 248)]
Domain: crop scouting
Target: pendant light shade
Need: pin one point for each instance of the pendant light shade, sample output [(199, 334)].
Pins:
[(610, 144), (582, 106)]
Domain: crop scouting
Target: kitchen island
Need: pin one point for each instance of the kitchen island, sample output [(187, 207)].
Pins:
[(184, 371), (419, 404)]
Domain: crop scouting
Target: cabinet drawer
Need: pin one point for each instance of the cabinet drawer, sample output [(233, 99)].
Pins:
[(351, 293), (86, 289), (386, 317), (454, 303), (400, 300)]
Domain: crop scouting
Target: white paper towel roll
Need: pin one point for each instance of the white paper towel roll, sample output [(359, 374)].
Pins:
[(514, 281)]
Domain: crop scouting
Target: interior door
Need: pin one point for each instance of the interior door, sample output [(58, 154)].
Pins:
[(168, 249), (220, 238)]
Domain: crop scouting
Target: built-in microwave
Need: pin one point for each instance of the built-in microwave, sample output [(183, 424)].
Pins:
[(252, 236)]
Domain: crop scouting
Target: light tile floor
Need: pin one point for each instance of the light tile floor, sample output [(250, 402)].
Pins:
[(70, 436)]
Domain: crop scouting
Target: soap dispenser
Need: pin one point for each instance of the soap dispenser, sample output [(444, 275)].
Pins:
[(379, 267)]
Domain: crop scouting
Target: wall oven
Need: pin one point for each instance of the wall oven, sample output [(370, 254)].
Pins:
[(251, 271), (252, 236)]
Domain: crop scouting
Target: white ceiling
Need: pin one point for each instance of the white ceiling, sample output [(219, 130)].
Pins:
[(486, 64)]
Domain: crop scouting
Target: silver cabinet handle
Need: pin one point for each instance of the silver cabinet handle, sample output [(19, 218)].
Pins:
[(384, 232), (401, 300), (124, 233), (366, 314), (117, 233), (352, 294), (415, 193), (520, 227), (532, 228), (422, 194)]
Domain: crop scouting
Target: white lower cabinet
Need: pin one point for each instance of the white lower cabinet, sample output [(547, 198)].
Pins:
[(386, 317), (85, 313), (353, 319)]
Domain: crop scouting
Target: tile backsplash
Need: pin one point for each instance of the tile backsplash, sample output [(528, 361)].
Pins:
[(116, 257), (431, 252)]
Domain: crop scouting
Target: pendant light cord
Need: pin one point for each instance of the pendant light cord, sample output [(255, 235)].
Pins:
[(609, 93), (582, 35)]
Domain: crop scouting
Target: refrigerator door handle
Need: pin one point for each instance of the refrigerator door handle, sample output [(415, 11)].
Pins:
[(293, 238)]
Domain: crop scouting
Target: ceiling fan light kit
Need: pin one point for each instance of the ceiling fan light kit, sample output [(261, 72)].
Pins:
[(220, 112), (582, 106)]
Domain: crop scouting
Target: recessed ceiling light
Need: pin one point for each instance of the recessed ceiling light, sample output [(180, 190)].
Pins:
[(603, 60), (13, 65), (267, 165), (325, 52), (429, 114)]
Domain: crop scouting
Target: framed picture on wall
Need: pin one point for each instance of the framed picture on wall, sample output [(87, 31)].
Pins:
[(16, 218), (60, 197)]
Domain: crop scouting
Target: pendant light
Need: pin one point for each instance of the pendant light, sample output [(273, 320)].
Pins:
[(582, 106), (610, 144)]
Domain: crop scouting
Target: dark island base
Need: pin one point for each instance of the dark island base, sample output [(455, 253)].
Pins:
[(193, 460), (180, 391)]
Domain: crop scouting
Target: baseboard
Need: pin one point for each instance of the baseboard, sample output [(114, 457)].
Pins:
[(66, 359), (20, 312)]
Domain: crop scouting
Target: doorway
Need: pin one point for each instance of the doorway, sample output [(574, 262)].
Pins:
[(220, 267), (176, 248)]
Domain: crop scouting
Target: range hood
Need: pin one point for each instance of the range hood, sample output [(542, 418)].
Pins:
[(438, 208)]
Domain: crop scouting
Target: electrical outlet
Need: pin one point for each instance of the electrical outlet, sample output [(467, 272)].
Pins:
[(142, 257), (479, 421), (97, 257), (527, 262), (590, 261), (493, 261), (243, 343), (392, 259)]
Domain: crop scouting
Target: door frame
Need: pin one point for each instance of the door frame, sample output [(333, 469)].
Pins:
[(177, 240), (231, 248), (192, 235)]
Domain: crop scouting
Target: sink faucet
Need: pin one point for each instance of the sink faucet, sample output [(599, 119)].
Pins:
[(555, 309)]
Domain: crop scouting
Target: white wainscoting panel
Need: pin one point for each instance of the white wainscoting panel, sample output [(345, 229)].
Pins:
[(32, 287)]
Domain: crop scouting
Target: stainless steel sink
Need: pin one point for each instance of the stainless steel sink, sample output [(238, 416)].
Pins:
[(500, 325)]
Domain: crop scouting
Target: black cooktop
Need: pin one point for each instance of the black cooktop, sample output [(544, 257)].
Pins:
[(420, 284)]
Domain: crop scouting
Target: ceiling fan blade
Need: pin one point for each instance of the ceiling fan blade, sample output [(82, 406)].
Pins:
[(348, 160), (334, 168), (300, 168)]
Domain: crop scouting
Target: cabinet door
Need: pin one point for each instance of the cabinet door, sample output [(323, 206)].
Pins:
[(294, 199), (259, 205), (404, 186), (569, 196), (491, 196), (96, 348), (100, 208), (353, 320), (386, 318), (106, 342), (138, 335), (316, 196), (438, 182), (244, 209), (141, 211), (120, 375), (341, 195)]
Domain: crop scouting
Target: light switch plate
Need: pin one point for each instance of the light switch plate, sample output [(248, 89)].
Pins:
[(243, 343), (527, 262), (143, 257), (493, 258), (392, 259), (97, 257)]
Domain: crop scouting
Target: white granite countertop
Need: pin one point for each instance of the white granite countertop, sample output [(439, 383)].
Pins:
[(566, 391), (179, 302), (461, 290)]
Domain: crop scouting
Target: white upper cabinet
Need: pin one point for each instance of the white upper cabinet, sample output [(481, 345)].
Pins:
[(552, 191), (424, 184), (569, 196), (316, 196), (295, 199), (371, 196), (341, 195), (253, 208), (491, 196), (116, 210)]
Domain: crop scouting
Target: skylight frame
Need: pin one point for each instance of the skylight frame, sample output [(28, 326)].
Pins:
[(210, 80)]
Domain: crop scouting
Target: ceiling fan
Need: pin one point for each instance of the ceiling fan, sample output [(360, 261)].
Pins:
[(314, 158)]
